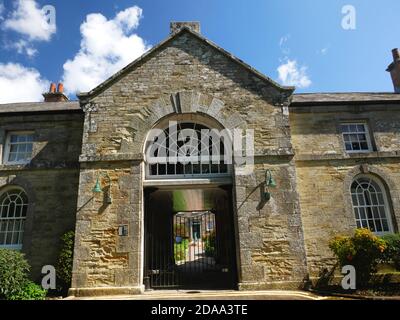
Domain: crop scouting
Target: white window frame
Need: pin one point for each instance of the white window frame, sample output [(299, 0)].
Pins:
[(19, 245), (366, 132), (187, 176), (8, 147), (384, 192)]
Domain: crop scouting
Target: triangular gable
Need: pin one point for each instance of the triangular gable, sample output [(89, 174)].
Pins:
[(125, 70)]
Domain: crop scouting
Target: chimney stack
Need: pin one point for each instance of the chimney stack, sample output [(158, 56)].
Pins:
[(394, 69), (396, 54), (55, 96), (53, 88), (176, 26)]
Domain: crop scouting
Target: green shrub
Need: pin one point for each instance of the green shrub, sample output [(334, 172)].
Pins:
[(65, 258), (30, 291), (14, 271), (209, 244), (180, 250), (363, 250), (392, 252), (14, 282)]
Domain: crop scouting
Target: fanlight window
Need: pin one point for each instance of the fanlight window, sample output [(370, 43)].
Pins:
[(370, 205), (187, 141), (13, 208)]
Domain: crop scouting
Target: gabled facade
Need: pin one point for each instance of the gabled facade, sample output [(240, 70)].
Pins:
[(186, 79), (142, 225)]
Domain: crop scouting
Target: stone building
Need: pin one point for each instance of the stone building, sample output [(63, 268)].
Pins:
[(84, 166)]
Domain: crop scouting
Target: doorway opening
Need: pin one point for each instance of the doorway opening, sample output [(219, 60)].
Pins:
[(189, 239)]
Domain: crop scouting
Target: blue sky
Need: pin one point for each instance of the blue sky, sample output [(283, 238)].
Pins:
[(303, 39)]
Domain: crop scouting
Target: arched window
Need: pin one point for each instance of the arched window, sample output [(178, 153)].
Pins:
[(187, 150), (13, 208), (370, 204)]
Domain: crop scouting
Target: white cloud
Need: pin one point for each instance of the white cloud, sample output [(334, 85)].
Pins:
[(20, 84), (30, 20), (106, 47), (291, 74), (324, 51), (129, 18), (2, 10), (24, 47)]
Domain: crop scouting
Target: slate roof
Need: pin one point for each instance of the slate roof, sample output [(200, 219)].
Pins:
[(68, 106), (301, 99), (342, 98)]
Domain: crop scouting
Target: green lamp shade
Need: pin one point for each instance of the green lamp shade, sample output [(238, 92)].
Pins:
[(272, 182), (97, 187), (269, 180)]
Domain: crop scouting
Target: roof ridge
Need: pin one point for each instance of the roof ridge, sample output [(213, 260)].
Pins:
[(40, 102)]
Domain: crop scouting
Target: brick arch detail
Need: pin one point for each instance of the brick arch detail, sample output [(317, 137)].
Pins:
[(183, 102)]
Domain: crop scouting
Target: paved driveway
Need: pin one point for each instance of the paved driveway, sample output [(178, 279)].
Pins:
[(211, 295)]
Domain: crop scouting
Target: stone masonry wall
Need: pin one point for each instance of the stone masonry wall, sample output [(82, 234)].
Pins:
[(325, 172), (186, 76), (50, 181)]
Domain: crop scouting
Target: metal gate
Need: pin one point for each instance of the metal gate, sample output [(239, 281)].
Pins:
[(189, 249)]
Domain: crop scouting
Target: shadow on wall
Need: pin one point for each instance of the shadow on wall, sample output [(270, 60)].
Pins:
[(52, 180)]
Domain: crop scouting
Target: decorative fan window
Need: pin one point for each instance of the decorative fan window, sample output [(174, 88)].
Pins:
[(370, 205), (187, 150), (13, 208)]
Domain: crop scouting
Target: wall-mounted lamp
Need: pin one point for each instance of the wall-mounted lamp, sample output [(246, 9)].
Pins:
[(269, 183), (97, 187)]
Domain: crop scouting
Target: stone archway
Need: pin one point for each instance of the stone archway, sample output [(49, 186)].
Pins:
[(191, 271), (184, 102)]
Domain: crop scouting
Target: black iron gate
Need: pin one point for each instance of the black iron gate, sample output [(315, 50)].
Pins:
[(188, 249)]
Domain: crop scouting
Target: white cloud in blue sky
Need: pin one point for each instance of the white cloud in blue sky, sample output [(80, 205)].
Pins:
[(324, 51), (291, 74), (295, 37), (22, 47), (289, 71), (20, 84), (106, 47), (30, 21), (2, 10)]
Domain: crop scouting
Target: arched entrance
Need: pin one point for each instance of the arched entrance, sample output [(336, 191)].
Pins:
[(189, 234)]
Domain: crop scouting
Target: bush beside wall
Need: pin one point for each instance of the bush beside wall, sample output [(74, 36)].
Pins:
[(65, 260), (14, 281), (363, 250), (392, 252)]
